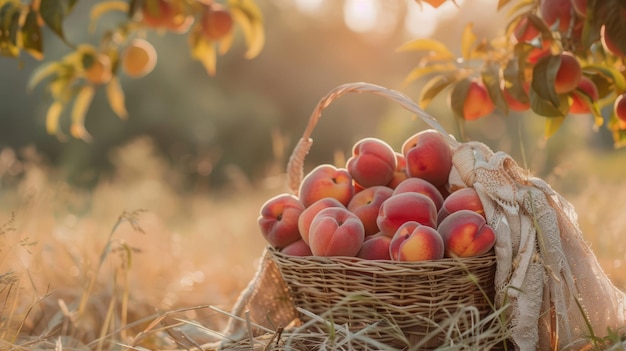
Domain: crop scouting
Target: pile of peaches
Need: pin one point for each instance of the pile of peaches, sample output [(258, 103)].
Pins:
[(383, 205)]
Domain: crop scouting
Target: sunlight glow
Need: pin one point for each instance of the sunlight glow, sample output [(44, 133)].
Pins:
[(308, 6), (361, 15), (422, 21)]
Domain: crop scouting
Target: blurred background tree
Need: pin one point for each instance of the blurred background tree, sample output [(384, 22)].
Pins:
[(234, 117)]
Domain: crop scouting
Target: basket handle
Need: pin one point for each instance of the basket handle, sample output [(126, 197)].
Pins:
[(295, 165)]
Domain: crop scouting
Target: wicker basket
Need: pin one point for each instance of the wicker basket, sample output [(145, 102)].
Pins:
[(407, 302)]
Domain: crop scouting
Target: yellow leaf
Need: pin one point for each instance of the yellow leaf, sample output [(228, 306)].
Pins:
[(418, 72), (116, 98), (248, 16), (52, 117), (79, 111), (203, 51), (226, 43), (426, 45), (552, 125), (101, 8), (468, 39), (41, 73)]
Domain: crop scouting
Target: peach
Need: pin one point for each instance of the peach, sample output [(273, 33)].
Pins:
[(405, 207), (216, 22), (400, 173), (428, 156), (477, 103), (416, 242), (278, 220), (608, 43), (586, 86), (462, 199), (515, 104), (335, 231), (366, 204), (525, 30), (326, 181), (297, 248), (537, 52), (557, 13), (375, 247), (619, 109), (580, 6), (465, 233), (306, 217), (569, 73), (166, 14), (373, 162), (419, 185)]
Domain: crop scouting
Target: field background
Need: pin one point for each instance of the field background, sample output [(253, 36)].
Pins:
[(189, 171)]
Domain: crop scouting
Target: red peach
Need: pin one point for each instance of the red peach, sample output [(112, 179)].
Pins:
[(419, 185), (580, 6), (539, 52), (462, 199), (405, 207), (278, 220), (428, 156), (525, 30), (553, 11), (326, 181), (306, 217), (477, 103), (466, 233), (400, 173), (335, 231), (416, 242), (514, 104), (297, 248), (587, 86), (375, 247), (366, 204), (373, 162), (569, 73), (608, 43)]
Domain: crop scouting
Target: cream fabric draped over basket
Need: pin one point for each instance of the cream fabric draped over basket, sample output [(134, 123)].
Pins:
[(546, 273)]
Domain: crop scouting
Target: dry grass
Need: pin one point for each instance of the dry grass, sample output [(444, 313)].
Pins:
[(137, 263)]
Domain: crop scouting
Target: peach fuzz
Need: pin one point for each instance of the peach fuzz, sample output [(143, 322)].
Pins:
[(428, 156), (326, 181), (297, 248), (462, 199), (420, 186), (373, 162), (306, 217), (278, 220), (405, 207), (416, 242), (400, 173), (569, 73), (366, 204), (587, 86), (465, 233), (375, 247), (335, 231)]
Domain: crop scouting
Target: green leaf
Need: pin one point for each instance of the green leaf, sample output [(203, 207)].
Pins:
[(101, 8), (430, 45), (248, 16), (514, 82), (546, 108), (468, 39), (616, 77), (31, 36), (544, 75), (541, 25), (552, 125), (419, 72), (115, 96), (458, 96), (79, 112), (203, 50), (53, 116), (9, 27), (432, 88), (53, 13), (491, 78)]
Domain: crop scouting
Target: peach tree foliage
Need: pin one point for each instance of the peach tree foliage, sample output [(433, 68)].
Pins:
[(517, 70), (208, 25)]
